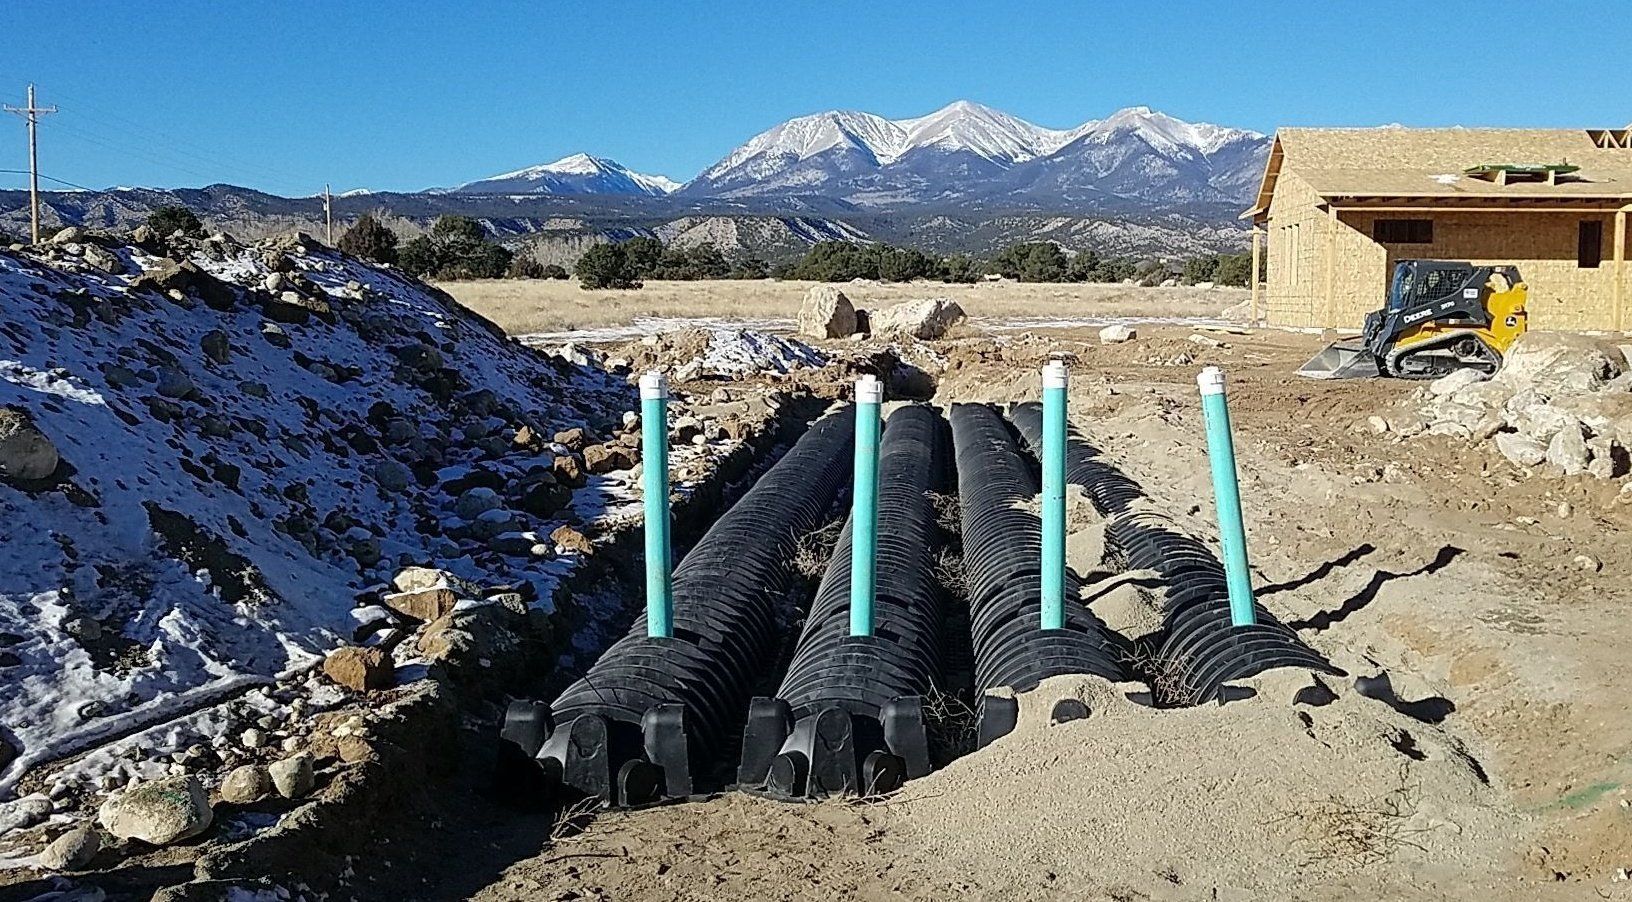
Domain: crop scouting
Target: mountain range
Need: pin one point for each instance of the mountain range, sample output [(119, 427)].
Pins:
[(963, 178), (963, 154)]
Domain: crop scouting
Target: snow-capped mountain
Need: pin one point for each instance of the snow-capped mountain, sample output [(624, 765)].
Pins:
[(577, 174), (966, 151)]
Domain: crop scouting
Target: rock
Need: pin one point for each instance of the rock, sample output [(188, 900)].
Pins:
[(606, 458), (215, 346), (104, 261), (1587, 563), (684, 429), (158, 811), (68, 235), (294, 308), (393, 475), (570, 539), (928, 319), (1454, 382), (572, 439), (544, 498), (246, 785), (72, 850), (292, 776), (1568, 451), (187, 276), (85, 629), (1557, 363), (1377, 424), (175, 383), (1407, 424), (1116, 333), (1531, 413), (425, 604), (474, 502), (1609, 458), (360, 669), (568, 471), (826, 313), (1521, 449), (25, 453), (24, 812), (253, 738)]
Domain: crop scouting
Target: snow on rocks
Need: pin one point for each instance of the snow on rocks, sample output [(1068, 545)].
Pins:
[(1559, 400), (159, 812), (233, 475), (927, 319), (826, 313), (691, 354)]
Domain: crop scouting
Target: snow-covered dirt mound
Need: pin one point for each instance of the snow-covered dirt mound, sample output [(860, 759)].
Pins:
[(249, 438), (718, 351)]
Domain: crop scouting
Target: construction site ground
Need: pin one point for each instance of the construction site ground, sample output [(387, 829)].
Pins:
[(1491, 597)]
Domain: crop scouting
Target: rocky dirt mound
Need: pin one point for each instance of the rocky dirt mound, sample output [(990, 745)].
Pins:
[(691, 354), (209, 452), (1563, 402)]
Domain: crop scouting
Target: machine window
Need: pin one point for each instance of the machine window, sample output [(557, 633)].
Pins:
[(1589, 248), (1403, 231)]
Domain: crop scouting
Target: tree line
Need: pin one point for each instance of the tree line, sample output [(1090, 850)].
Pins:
[(458, 247)]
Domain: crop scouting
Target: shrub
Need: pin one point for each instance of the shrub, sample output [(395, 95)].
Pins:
[(959, 268), (702, 261), (605, 266), (1200, 269), (750, 268), (641, 256), (1036, 261), (172, 218), (554, 271), (1234, 270), (369, 239), (524, 266), (455, 248)]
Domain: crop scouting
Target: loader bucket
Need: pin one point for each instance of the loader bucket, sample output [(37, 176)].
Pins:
[(1342, 361)]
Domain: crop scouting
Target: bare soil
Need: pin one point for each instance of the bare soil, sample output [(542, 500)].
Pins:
[(1503, 775)]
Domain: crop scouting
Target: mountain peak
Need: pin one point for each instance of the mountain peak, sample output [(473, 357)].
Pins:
[(579, 173)]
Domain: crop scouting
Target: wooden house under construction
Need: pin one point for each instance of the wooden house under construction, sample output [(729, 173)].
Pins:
[(1338, 206)]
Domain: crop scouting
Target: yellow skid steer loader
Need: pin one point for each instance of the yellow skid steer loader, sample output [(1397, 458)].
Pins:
[(1440, 317)]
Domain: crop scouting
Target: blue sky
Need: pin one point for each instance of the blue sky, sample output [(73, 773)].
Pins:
[(285, 96)]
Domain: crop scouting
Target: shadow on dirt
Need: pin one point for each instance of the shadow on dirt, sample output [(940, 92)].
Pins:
[(1357, 602)]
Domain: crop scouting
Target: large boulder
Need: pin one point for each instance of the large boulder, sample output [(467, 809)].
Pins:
[(293, 777), (25, 453), (1455, 382), (826, 313), (158, 812), (246, 785), (1558, 363), (1116, 333), (927, 319), (1521, 449)]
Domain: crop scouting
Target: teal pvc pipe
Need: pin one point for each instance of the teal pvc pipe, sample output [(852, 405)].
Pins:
[(654, 454), (864, 507), (1227, 492), (1053, 563)]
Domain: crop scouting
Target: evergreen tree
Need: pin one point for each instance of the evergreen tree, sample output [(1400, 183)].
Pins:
[(524, 266), (369, 239), (172, 218), (605, 266)]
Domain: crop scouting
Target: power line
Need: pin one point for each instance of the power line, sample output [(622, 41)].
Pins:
[(51, 179)]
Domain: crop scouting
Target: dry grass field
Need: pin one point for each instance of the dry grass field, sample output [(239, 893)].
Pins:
[(531, 306)]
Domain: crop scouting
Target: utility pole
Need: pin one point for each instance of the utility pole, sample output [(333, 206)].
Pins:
[(328, 216), (32, 114)]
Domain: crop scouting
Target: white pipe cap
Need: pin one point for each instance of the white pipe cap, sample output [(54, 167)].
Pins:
[(653, 385), (1055, 374), (1211, 380), (869, 390)]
